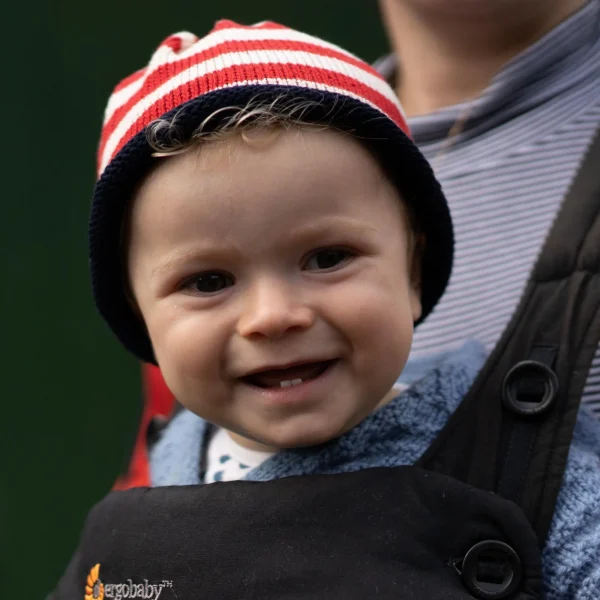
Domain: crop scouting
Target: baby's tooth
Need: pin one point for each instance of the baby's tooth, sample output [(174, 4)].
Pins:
[(290, 382)]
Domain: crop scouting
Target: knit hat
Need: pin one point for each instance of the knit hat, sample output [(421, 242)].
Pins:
[(194, 77)]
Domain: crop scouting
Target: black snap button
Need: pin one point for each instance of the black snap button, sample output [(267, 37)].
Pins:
[(491, 569), (529, 388)]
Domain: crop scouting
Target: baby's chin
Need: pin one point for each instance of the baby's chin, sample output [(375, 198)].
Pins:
[(283, 438)]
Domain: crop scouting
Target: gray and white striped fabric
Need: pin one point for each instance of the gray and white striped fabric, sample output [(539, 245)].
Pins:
[(505, 176)]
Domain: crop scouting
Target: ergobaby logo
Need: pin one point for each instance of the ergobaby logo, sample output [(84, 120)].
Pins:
[(95, 589)]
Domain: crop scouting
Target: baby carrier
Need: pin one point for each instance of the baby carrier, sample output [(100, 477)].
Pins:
[(469, 520)]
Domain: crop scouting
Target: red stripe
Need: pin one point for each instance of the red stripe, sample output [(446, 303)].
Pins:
[(225, 77), (130, 79), (165, 72)]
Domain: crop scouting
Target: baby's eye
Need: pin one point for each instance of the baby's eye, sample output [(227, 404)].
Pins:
[(328, 258), (210, 282)]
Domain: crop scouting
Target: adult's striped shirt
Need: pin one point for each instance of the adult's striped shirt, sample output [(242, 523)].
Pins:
[(505, 176)]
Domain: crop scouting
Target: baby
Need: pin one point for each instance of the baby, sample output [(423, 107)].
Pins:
[(277, 244), (266, 232)]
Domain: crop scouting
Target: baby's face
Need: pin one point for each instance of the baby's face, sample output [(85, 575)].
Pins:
[(274, 283)]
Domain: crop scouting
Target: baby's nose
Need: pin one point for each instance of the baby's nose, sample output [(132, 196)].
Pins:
[(273, 309)]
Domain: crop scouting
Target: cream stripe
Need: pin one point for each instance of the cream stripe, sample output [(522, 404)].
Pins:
[(122, 97)]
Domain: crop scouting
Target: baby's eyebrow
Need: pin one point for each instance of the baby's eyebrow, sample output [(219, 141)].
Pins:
[(336, 224), (183, 257), (169, 264)]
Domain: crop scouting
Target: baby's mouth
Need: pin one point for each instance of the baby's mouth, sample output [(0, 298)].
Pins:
[(277, 378)]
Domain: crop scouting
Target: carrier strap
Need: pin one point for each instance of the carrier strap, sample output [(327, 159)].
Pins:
[(513, 430)]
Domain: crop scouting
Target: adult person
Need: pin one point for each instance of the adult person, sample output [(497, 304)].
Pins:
[(503, 97)]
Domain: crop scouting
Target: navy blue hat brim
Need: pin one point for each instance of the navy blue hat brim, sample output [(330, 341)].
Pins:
[(399, 156)]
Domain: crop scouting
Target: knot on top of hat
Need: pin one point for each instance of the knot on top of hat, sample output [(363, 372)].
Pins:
[(172, 48)]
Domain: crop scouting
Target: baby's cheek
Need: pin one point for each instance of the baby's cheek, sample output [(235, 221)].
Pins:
[(193, 376), (187, 346), (383, 333)]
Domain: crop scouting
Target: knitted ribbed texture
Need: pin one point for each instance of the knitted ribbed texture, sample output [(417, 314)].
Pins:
[(397, 435), (185, 67)]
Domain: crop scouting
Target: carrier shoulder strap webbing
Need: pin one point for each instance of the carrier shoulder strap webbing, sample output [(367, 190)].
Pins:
[(513, 430)]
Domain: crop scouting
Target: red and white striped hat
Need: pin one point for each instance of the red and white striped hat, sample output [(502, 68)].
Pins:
[(229, 67)]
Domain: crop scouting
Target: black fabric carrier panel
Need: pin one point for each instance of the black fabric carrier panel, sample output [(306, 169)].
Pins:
[(468, 521), (512, 431)]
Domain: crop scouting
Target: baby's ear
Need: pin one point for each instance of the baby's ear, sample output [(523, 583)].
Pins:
[(415, 264)]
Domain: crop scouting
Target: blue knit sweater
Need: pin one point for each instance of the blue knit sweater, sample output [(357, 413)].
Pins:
[(398, 434)]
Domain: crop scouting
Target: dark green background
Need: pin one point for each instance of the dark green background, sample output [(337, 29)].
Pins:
[(71, 396)]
